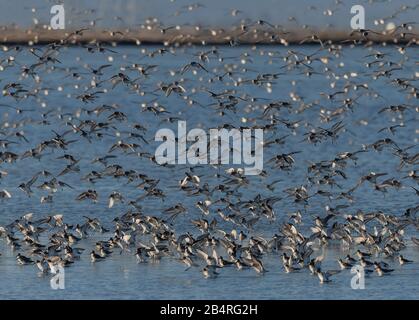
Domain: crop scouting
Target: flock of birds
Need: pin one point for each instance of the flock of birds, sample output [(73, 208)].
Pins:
[(221, 229)]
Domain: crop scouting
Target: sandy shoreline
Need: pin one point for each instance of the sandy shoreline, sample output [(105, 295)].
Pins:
[(189, 35)]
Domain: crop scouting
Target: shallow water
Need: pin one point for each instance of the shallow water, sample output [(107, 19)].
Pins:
[(120, 277)]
